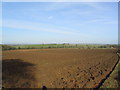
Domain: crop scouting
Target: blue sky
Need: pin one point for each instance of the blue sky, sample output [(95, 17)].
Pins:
[(48, 22)]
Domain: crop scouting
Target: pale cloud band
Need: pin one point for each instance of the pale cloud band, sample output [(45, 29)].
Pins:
[(34, 26), (60, 0)]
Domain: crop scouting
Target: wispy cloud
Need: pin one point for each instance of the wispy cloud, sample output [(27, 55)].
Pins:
[(111, 22), (36, 26), (58, 6), (60, 0), (95, 5), (77, 8), (64, 5), (99, 21), (50, 17)]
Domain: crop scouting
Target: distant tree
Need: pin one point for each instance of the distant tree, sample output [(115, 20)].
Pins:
[(76, 45), (104, 46), (19, 48), (100, 46), (8, 47), (32, 47), (28, 47), (49, 46)]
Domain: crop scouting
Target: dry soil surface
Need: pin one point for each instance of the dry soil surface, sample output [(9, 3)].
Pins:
[(57, 68)]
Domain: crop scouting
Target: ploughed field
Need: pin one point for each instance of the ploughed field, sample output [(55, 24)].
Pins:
[(57, 68)]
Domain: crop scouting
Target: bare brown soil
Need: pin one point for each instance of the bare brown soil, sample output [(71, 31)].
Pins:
[(57, 68)]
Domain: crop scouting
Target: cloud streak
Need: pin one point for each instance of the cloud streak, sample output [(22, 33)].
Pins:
[(63, 5), (35, 26), (60, 0), (50, 17), (100, 21)]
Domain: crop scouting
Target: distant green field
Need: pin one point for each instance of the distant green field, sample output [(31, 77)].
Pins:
[(44, 46)]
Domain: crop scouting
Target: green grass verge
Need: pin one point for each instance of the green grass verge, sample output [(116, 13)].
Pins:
[(114, 80)]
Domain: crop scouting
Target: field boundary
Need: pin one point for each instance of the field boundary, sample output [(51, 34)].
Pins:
[(48, 46), (108, 75)]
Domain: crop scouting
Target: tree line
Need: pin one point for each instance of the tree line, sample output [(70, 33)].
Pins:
[(10, 47)]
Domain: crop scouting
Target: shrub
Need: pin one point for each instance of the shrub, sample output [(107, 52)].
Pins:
[(7, 47)]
